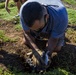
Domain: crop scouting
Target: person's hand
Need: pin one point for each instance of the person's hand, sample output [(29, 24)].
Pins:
[(8, 10)]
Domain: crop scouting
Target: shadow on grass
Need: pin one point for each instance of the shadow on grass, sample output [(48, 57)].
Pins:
[(65, 59), (12, 62)]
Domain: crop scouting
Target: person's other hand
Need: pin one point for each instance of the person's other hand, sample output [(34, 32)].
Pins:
[(8, 10)]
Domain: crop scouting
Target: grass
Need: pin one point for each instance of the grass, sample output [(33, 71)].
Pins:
[(4, 14), (72, 16), (70, 2), (70, 35), (18, 27), (70, 31), (2, 5), (4, 38), (51, 72)]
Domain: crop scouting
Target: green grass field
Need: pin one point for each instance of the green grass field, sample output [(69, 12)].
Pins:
[(55, 71)]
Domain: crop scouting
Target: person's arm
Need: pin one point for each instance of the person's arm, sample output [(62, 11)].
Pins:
[(34, 48), (30, 41), (6, 6), (52, 43)]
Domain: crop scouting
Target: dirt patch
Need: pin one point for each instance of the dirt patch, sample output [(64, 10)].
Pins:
[(10, 52)]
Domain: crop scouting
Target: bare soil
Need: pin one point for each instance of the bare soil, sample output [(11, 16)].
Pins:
[(11, 57)]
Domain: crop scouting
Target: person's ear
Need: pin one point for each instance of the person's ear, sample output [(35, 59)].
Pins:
[(46, 17)]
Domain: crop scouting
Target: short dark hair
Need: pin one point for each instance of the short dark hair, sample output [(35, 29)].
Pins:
[(32, 11)]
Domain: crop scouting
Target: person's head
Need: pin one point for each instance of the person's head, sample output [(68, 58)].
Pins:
[(34, 15)]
